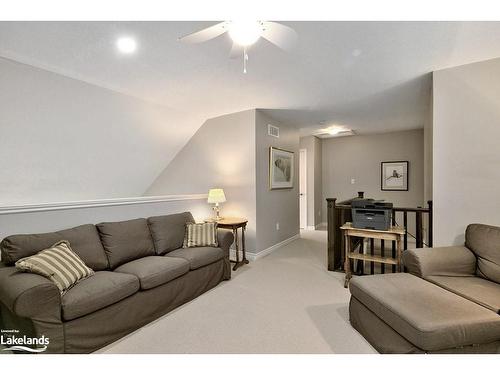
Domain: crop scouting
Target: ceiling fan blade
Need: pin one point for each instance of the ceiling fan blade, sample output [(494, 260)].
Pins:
[(236, 51), (280, 35), (205, 34)]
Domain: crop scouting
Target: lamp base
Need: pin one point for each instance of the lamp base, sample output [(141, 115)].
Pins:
[(217, 216)]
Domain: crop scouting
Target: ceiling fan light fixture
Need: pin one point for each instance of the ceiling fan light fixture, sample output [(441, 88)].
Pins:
[(245, 33)]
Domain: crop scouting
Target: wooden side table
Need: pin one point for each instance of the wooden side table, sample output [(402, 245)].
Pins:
[(234, 223), (393, 234)]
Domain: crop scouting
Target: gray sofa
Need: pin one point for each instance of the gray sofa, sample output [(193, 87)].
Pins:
[(449, 302), (141, 273)]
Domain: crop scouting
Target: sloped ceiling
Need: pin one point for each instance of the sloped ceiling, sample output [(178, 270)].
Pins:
[(369, 76)]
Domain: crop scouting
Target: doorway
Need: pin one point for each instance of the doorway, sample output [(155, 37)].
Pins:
[(303, 188)]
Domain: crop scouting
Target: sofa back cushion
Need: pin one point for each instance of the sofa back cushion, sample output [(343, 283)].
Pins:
[(484, 241), (124, 241), (168, 231), (84, 241)]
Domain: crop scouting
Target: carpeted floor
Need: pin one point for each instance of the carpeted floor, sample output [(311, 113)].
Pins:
[(286, 302)]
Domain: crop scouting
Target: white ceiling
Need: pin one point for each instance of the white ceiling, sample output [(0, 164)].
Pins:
[(368, 76)]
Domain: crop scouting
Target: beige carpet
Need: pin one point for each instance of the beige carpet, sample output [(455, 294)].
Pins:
[(286, 302)]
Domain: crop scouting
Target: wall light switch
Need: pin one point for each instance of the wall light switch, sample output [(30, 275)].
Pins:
[(353, 181), (277, 226)]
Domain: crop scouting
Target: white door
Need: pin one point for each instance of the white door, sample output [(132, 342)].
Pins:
[(303, 188)]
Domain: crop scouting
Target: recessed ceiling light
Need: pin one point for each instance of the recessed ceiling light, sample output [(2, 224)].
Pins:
[(126, 45), (334, 131)]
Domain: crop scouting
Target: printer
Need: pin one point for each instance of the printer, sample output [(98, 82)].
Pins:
[(371, 214)]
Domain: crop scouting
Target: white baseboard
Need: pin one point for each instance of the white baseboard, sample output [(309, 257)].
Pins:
[(254, 256), (310, 227)]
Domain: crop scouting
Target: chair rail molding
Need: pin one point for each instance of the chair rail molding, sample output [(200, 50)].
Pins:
[(57, 206)]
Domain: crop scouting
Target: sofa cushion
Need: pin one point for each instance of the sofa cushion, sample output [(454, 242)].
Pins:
[(198, 256), (155, 270), (168, 231), (428, 316), (201, 235), (59, 264), (484, 241), (98, 291), (84, 241), (479, 290), (124, 241)]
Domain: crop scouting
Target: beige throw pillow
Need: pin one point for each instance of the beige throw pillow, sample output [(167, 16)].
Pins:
[(59, 264), (201, 234)]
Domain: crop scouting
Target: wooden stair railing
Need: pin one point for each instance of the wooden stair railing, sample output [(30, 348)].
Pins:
[(340, 213)]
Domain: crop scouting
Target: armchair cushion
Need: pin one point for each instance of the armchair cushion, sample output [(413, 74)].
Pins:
[(481, 291), (440, 261), (27, 294), (484, 241)]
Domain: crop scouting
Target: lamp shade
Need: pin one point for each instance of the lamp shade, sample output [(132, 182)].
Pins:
[(216, 196)]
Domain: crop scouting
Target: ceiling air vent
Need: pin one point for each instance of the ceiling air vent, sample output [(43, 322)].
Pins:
[(273, 131)]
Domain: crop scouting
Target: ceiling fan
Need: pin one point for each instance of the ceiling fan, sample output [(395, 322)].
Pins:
[(244, 34)]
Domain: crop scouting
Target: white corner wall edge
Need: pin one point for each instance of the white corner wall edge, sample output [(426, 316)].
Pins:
[(4, 210), (253, 257)]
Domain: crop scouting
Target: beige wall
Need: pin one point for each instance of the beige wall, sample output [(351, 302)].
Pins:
[(318, 182), (275, 206), (220, 154), (428, 128), (312, 145), (232, 152), (359, 157), (466, 173), (62, 139)]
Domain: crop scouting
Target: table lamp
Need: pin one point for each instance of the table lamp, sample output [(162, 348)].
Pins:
[(216, 196)]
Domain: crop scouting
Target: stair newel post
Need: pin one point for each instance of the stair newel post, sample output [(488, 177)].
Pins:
[(332, 232), (430, 224)]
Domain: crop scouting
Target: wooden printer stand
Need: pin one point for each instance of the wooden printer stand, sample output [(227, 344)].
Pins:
[(393, 234)]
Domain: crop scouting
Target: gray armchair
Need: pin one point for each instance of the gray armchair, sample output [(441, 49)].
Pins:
[(471, 271), (449, 302)]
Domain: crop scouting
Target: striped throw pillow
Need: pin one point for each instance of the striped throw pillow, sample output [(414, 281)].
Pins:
[(59, 264), (201, 234)]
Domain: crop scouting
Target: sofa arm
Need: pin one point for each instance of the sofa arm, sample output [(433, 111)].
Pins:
[(225, 239), (440, 261), (28, 295)]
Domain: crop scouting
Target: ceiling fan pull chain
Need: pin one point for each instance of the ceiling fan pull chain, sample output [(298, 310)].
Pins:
[(245, 58)]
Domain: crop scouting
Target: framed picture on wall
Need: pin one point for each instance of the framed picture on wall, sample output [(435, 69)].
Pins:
[(281, 167), (394, 176)]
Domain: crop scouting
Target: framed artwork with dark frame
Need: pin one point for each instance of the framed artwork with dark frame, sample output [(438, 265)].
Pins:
[(394, 175), (281, 167)]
